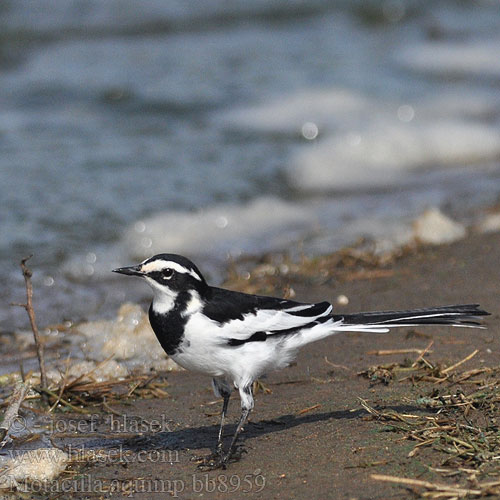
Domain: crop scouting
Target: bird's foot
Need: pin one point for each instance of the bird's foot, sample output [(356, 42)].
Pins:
[(235, 455), (212, 461), (219, 460)]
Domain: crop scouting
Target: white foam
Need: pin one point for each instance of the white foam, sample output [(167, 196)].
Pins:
[(387, 234), (265, 224), (88, 370), (444, 58), (209, 236), (337, 109), (325, 108), (381, 154), (128, 339)]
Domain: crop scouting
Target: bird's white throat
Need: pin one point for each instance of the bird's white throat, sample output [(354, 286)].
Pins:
[(164, 297), (164, 301)]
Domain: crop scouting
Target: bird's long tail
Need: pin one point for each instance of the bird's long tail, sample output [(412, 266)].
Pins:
[(381, 321)]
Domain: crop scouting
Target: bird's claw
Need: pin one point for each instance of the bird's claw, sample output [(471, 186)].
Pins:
[(214, 460), (237, 453), (218, 460)]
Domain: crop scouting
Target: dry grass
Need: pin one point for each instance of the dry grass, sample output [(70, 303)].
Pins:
[(458, 419), (83, 394), (275, 271)]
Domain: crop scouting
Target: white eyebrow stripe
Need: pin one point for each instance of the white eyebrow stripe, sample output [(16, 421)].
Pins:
[(159, 265)]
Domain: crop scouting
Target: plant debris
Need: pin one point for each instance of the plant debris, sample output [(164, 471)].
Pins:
[(437, 490), (80, 393), (458, 417), (422, 370), (276, 271)]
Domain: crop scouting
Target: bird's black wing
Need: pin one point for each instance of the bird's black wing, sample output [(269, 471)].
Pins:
[(244, 317)]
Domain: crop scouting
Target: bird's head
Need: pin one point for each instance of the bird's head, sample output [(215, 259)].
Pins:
[(168, 275)]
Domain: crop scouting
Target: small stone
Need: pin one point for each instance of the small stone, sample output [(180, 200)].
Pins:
[(42, 464), (342, 300), (490, 224), (435, 228)]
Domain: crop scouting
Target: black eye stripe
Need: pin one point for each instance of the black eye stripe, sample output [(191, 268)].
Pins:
[(161, 276), (173, 279)]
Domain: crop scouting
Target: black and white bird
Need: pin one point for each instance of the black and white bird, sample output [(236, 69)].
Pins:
[(236, 337)]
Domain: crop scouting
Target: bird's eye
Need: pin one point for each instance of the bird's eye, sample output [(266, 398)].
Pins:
[(167, 274)]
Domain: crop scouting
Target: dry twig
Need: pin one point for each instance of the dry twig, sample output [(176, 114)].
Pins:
[(454, 491), (462, 361), (306, 410), (31, 313), (388, 352)]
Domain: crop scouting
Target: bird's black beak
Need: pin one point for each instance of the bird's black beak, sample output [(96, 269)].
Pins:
[(130, 271)]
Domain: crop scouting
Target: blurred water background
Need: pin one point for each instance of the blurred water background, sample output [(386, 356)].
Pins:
[(227, 128)]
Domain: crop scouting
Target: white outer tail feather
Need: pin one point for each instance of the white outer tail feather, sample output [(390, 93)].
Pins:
[(465, 316)]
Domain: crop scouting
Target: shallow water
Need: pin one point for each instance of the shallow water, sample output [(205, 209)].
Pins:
[(230, 128)]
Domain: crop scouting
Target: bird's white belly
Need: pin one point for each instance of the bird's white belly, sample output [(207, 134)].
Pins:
[(200, 349), (205, 349), (198, 358)]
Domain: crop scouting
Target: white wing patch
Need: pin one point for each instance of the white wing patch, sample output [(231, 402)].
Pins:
[(268, 320), (302, 307)]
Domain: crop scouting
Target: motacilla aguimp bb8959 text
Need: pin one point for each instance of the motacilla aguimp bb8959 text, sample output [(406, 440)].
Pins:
[(236, 337)]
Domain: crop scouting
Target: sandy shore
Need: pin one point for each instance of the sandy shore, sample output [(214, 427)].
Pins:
[(310, 437)]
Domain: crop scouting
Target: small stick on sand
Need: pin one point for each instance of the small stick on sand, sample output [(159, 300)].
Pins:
[(422, 354), (31, 313), (387, 352), (456, 365), (428, 485), (305, 410)]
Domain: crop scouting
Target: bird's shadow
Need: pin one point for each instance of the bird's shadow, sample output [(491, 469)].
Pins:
[(205, 436)]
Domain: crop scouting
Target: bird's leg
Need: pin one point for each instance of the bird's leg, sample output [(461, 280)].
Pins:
[(213, 460), (247, 404), (225, 404)]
